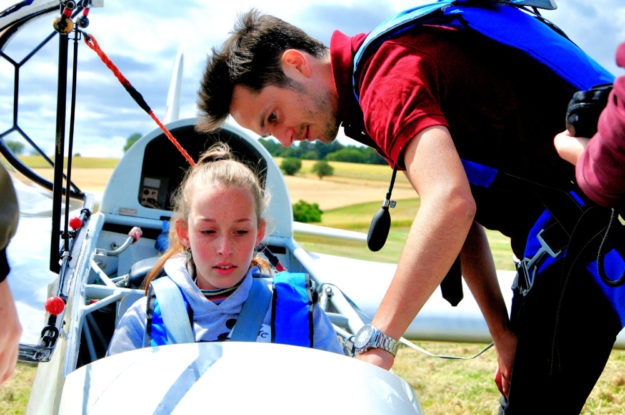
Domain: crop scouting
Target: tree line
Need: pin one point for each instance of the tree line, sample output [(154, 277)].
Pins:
[(333, 151)]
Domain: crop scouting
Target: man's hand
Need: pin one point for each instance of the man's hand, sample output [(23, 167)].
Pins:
[(377, 357), (10, 332), (569, 148), (505, 344)]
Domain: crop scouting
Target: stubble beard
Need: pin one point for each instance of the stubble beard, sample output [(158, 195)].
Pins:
[(329, 113), (322, 108)]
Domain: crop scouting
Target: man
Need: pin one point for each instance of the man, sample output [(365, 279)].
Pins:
[(10, 328), (426, 99)]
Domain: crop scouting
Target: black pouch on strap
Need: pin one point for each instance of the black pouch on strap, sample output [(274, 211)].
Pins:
[(451, 286)]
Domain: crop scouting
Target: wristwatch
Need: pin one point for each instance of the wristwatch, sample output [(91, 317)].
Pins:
[(368, 337)]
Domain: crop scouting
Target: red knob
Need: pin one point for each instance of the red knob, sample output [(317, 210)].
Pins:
[(75, 223), (55, 305)]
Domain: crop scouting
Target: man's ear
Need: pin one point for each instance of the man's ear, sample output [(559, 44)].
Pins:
[(297, 60), (183, 233)]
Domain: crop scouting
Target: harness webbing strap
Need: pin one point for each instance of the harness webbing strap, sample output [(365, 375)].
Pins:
[(253, 312), (500, 22), (173, 308), (136, 95), (292, 307)]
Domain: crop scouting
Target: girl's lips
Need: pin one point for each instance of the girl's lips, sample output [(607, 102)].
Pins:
[(224, 269)]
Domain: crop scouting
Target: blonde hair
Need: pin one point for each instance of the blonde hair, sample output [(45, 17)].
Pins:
[(216, 166)]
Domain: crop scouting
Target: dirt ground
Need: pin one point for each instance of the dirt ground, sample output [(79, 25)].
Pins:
[(333, 192), (329, 193), (92, 180)]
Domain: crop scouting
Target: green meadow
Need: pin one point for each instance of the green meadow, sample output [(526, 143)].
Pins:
[(358, 217)]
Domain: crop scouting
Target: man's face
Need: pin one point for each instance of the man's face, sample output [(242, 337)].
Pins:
[(297, 112)]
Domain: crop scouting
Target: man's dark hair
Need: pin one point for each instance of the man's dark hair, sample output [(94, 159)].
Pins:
[(251, 57)]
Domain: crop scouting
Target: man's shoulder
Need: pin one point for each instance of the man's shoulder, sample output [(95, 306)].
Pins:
[(438, 41)]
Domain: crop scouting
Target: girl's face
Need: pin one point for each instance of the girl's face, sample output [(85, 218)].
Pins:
[(222, 231)]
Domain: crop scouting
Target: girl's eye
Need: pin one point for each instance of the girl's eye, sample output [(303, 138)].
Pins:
[(272, 118), (242, 232), (207, 231)]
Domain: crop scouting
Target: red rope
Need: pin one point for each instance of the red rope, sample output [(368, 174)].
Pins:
[(93, 44)]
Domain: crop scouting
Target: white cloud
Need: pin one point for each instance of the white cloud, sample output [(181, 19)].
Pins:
[(143, 39)]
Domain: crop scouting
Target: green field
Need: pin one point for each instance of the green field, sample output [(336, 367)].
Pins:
[(357, 218), (15, 392)]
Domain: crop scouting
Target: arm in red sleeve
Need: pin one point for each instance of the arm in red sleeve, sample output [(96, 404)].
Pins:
[(599, 171)]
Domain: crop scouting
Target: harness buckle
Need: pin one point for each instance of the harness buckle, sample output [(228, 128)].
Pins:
[(544, 245), (528, 267)]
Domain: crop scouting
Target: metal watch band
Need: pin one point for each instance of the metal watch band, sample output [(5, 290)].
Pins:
[(384, 342)]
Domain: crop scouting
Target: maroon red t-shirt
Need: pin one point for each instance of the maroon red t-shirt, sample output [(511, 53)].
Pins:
[(501, 108), (600, 170)]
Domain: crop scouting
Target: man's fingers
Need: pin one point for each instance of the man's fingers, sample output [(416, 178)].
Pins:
[(499, 382)]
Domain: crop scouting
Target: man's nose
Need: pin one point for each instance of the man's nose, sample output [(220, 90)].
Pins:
[(284, 135)]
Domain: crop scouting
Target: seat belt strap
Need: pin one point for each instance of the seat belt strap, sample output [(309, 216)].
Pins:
[(253, 312), (173, 306)]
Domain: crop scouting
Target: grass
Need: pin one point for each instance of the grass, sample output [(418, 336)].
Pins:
[(466, 386), (15, 392), (358, 217)]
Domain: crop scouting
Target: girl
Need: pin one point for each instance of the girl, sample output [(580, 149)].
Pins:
[(209, 269)]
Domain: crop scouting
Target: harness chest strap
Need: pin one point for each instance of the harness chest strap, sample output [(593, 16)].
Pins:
[(172, 306), (253, 312)]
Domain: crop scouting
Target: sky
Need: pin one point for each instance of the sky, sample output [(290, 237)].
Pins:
[(143, 38)]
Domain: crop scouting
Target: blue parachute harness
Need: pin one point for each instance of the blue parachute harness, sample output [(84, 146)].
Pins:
[(528, 32)]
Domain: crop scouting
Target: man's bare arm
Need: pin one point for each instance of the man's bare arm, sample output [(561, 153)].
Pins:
[(436, 236), (478, 270)]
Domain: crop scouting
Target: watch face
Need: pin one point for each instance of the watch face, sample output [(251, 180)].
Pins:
[(363, 336)]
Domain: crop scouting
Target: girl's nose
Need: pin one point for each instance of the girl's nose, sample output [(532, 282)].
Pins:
[(225, 246)]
